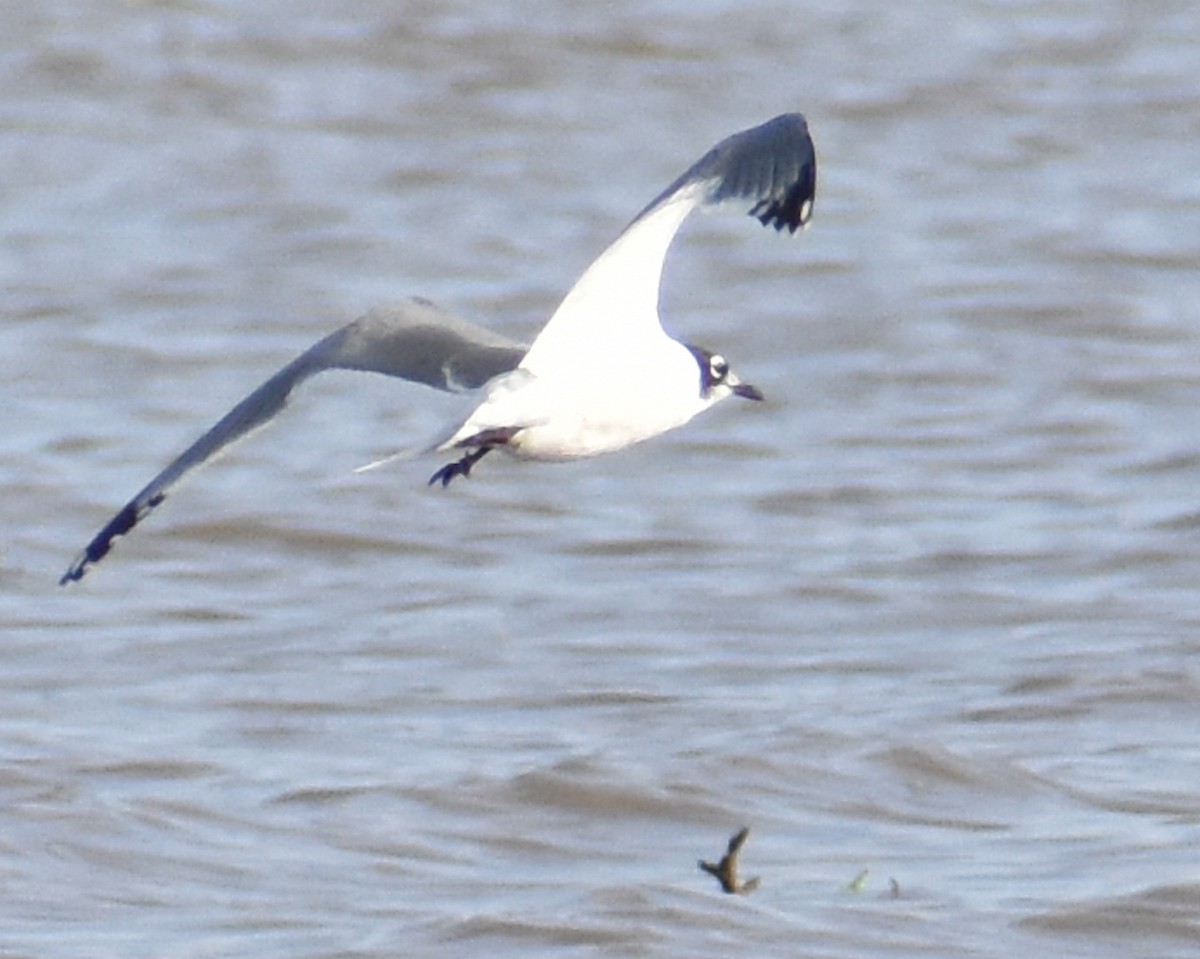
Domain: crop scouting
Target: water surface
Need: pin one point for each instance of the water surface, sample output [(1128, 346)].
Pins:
[(929, 612)]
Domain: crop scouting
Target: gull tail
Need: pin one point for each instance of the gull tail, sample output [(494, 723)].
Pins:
[(409, 453)]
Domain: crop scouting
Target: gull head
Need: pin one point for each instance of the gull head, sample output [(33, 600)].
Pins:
[(718, 381)]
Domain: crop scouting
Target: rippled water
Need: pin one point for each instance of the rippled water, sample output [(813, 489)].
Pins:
[(930, 612)]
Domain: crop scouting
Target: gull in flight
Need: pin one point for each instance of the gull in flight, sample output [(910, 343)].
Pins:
[(601, 375)]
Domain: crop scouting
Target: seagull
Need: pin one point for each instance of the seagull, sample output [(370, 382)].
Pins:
[(601, 375)]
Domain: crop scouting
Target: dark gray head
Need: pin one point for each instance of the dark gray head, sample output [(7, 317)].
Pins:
[(717, 379)]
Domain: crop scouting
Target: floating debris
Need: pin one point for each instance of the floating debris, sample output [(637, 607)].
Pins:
[(726, 869)]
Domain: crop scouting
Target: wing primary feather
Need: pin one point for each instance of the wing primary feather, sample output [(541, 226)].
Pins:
[(774, 165), (414, 340), (255, 411)]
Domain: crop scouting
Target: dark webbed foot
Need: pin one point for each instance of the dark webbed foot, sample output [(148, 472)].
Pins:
[(460, 467), (484, 442)]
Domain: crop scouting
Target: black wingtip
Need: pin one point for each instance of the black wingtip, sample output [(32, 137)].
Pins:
[(794, 210), (75, 571), (96, 550), (99, 547), (773, 164)]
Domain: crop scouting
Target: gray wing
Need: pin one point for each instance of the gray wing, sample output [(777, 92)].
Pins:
[(774, 165), (413, 340)]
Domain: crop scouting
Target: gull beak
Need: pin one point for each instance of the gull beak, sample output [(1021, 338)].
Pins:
[(744, 390)]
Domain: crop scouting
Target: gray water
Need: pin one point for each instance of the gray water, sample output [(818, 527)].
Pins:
[(929, 612)]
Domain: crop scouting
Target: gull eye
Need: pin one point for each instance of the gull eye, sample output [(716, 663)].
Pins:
[(718, 368)]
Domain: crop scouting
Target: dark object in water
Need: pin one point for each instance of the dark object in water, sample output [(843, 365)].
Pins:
[(726, 869)]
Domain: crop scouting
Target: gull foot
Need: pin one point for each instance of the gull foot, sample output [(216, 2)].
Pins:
[(460, 467), (484, 442)]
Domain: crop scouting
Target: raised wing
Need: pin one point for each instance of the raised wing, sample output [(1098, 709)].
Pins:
[(614, 305), (413, 340)]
